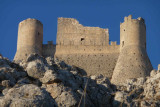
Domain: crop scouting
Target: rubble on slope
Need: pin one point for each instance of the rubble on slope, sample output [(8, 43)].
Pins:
[(48, 82)]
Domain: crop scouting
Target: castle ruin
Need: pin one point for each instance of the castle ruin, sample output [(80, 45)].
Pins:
[(88, 48)]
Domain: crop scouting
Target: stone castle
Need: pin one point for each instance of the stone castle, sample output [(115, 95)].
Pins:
[(88, 48)]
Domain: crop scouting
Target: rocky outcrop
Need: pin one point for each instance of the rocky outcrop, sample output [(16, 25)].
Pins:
[(40, 81), (48, 82), (143, 92), (27, 96)]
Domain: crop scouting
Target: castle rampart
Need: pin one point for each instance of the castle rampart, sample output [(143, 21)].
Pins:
[(88, 47)]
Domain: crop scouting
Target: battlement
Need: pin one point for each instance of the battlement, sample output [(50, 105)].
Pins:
[(48, 49), (113, 43), (138, 20), (50, 42)]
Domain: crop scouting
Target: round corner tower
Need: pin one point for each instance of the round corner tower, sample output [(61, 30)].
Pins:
[(30, 38), (133, 61), (132, 32)]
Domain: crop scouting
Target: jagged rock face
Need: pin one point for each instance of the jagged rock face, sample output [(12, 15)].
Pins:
[(66, 86), (27, 96), (142, 92), (54, 81)]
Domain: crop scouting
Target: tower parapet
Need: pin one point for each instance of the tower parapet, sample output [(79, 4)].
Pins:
[(132, 32), (30, 38)]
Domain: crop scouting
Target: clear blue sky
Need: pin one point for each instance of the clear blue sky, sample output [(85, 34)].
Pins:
[(101, 13)]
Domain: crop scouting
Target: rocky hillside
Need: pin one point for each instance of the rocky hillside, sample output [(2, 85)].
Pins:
[(47, 82)]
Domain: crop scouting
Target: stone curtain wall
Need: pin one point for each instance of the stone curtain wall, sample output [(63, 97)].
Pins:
[(48, 49), (93, 64), (67, 49), (93, 59)]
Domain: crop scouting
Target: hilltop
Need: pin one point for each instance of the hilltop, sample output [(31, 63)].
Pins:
[(48, 82)]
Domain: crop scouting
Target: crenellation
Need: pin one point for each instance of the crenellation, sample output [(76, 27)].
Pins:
[(113, 43), (50, 42), (139, 20), (129, 18), (48, 49)]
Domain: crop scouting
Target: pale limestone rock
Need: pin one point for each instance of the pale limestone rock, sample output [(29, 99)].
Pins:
[(6, 83), (50, 77), (119, 98), (153, 72), (5, 91), (54, 90), (35, 69), (68, 99), (26, 96)]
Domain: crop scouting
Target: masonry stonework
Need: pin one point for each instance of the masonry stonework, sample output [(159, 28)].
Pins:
[(88, 48), (30, 38), (48, 49), (133, 61)]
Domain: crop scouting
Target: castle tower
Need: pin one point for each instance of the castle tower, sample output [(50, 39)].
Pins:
[(30, 38), (133, 61)]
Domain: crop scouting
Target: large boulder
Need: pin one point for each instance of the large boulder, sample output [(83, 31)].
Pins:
[(35, 69)]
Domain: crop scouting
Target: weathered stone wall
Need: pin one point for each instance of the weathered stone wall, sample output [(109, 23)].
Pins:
[(30, 38), (86, 47), (70, 32), (93, 63), (48, 49)]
